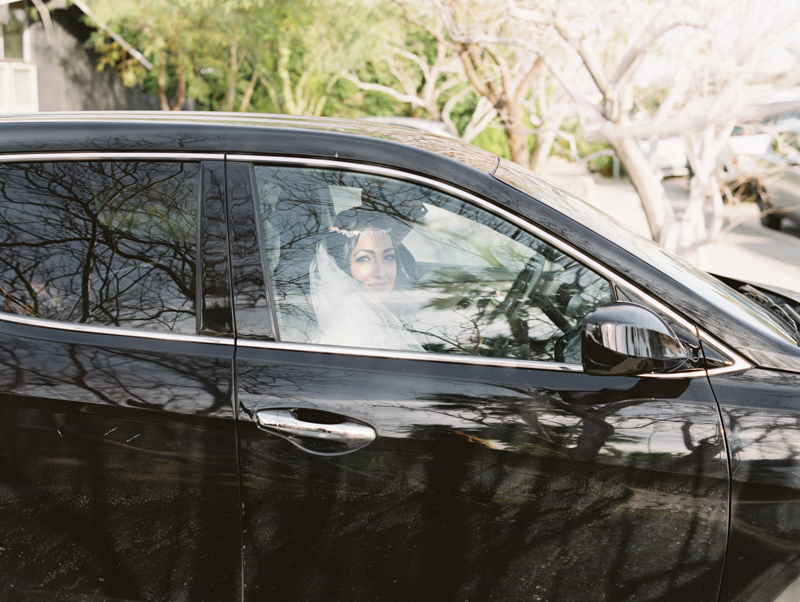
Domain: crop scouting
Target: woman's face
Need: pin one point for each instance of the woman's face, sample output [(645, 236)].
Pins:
[(373, 263)]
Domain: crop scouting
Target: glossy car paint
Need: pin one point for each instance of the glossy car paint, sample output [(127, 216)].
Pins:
[(762, 422), (518, 473), (376, 144), (118, 466), (483, 482)]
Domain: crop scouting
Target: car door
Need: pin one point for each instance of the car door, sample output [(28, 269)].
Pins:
[(441, 441), (118, 471)]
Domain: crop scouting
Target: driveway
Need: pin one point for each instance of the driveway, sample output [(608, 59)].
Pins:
[(753, 252), (749, 251)]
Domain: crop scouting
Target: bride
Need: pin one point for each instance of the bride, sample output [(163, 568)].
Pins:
[(355, 273)]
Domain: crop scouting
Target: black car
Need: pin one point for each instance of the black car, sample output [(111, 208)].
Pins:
[(274, 358)]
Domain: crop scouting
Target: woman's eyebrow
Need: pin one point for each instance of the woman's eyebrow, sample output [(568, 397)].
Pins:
[(365, 251)]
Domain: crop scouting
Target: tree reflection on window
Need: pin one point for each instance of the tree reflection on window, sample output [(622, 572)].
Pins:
[(108, 243), (467, 283)]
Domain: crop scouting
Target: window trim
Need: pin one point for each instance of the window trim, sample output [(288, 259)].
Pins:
[(109, 156), (479, 360), (112, 330), (739, 363)]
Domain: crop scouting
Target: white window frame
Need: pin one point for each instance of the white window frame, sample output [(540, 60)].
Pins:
[(8, 88), (8, 69)]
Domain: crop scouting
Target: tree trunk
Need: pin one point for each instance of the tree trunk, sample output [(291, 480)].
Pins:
[(161, 81), (705, 214), (288, 98), (272, 92), (544, 143), (180, 90), (232, 75), (693, 222), (519, 147), (648, 187), (248, 94), (517, 141)]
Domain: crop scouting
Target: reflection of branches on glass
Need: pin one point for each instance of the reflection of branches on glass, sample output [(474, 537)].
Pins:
[(294, 221), (453, 235), (458, 314), (108, 243), (487, 312), (469, 264)]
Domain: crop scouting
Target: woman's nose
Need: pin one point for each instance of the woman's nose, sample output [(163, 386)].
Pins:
[(378, 270)]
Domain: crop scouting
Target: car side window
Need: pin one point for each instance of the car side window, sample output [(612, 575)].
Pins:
[(109, 243), (367, 261)]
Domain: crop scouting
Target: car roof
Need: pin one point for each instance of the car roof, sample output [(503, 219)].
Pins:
[(242, 133)]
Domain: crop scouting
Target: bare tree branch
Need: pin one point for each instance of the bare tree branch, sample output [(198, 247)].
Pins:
[(413, 100)]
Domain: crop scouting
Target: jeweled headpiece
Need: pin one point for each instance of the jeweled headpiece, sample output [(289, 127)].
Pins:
[(352, 233)]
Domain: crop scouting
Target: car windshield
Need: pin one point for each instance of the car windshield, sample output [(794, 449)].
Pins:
[(724, 298)]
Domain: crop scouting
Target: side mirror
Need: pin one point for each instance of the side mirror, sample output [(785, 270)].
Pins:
[(628, 339)]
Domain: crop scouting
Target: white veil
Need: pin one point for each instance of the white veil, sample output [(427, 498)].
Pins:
[(348, 315)]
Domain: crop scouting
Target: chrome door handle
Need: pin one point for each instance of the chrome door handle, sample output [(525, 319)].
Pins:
[(316, 432)]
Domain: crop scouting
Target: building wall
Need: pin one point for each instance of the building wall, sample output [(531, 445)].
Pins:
[(67, 71)]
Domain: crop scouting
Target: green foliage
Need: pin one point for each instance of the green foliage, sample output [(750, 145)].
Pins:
[(494, 140), (463, 111), (176, 36), (349, 101), (277, 55), (603, 165), (115, 56), (289, 56), (301, 49)]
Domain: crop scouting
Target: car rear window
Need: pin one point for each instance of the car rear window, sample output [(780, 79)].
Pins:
[(110, 243)]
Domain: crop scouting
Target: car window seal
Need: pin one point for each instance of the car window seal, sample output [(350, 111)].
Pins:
[(114, 331)]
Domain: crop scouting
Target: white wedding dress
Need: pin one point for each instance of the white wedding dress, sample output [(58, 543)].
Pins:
[(348, 315)]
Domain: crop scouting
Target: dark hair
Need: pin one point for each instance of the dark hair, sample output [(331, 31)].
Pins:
[(345, 232)]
